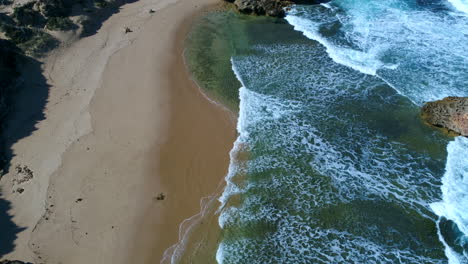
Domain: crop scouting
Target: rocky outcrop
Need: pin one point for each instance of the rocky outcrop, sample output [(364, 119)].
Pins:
[(450, 113), (274, 8), (263, 7)]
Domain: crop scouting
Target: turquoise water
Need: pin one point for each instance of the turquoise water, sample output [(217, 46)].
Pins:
[(336, 165)]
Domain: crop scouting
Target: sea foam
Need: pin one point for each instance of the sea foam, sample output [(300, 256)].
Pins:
[(454, 204), (389, 39), (460, 5)]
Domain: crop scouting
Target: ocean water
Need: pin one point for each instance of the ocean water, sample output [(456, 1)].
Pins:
[(332, 163)]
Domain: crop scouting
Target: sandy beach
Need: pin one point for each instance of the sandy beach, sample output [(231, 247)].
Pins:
[(123, 123)]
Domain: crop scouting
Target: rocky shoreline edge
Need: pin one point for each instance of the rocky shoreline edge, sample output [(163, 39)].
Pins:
[(273, 8)]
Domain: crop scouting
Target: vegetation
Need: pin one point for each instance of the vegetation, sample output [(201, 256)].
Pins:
[(25, 15), (33, 41), (100, 3), (55, 8), (39, 44), (6, 2), (60, 23)]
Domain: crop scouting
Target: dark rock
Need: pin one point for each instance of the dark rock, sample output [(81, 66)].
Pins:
[(263, 7), (450, 113), (161, 197), (274, 8), (20, 190)]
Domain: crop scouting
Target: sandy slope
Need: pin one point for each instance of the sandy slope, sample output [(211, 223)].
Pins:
[(123, 123)]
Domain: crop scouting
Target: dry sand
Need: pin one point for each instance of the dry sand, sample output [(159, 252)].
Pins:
[(123, 123)]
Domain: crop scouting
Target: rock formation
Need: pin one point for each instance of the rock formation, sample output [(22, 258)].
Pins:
[(450, 113), (263, 7), (274, 8)]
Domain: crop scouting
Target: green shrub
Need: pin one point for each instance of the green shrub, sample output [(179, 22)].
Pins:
[(39, 44), (17, 34), (59, 23), (25, 15), (31, 41), (100, 3), (55, 8)]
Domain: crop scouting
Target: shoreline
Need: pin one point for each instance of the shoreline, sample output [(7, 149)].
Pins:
[(124, 123), (187, 128)]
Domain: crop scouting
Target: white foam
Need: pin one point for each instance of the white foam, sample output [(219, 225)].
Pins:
[(365, 62), (389, 39), (460, 5), (326, 5), (234, 166), (454, 204)]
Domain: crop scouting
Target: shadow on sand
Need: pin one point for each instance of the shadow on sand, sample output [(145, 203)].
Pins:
[(91, 26), (8, 229), (23, 104), (26, 104)]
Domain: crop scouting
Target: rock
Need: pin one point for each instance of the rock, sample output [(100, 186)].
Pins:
[(26, 172), (274, 8), (450, 113), (263, 7), (161, 197), (20, 190)]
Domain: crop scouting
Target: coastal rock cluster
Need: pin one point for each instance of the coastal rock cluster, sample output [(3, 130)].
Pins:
[(450, 113), (274, 8)]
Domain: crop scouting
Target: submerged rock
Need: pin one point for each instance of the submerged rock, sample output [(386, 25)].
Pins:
[(274, 8), (450, 113)]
